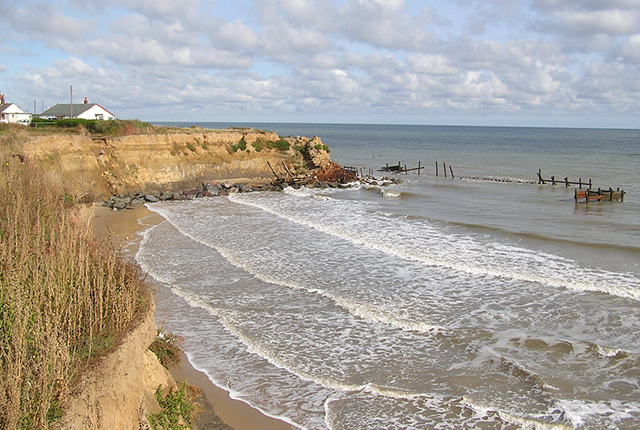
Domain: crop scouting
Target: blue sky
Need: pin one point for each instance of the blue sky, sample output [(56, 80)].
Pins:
[(470, 62)]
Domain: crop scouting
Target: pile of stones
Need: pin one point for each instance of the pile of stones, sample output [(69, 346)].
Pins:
[(212, 189)]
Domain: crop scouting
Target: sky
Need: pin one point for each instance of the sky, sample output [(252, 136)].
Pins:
[(548, 63)]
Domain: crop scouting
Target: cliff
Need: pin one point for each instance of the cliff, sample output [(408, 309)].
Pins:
[(181, 158), (119, 390)]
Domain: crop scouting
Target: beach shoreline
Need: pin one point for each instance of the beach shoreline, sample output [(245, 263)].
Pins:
[(221, 412)]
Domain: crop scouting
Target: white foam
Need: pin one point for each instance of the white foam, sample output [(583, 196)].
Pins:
[(582, 412), (461, 253)]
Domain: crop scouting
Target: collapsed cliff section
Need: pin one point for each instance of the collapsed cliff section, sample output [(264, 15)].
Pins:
[(99, 167)]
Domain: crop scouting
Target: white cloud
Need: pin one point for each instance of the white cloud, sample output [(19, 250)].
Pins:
[(430, 64), (593, 22), (341, 57)]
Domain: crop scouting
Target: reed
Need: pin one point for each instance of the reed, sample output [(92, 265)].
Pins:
[(65, 296)]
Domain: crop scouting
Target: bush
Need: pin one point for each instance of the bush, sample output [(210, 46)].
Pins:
[(259, 144), (167, 347), (281, 145), (177, 410), (111, 127), (241, 145)]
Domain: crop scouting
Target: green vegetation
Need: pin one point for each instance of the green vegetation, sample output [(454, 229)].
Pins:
[(65, 296), (114, 127), (177, 410), (281, 145), (241, 145), (167, 347), (260, 144)]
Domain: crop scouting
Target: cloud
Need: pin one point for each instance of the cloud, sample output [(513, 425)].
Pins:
[(383, 24), (43, 21), (331, 57)]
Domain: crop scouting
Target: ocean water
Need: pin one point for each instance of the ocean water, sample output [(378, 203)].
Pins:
[(482, 301)]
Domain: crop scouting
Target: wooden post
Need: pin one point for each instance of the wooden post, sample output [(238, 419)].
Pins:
[(553, 180), (274, 172), (540, 180), (418, 167), (406, 172), (451, 170), (436, 168), (580, 183), (287, 169), (444, 167), (566, 181)]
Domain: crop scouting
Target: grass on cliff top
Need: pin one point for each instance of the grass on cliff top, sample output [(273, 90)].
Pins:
[(65, 296), (16, 134)]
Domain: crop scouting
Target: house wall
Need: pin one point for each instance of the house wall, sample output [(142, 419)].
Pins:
[(94, 112), (13, 114)]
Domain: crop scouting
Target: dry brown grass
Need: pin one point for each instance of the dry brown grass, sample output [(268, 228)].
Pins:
[(65, 297)]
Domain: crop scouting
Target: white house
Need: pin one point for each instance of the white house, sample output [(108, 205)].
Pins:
[(11, 113), (77, 110)]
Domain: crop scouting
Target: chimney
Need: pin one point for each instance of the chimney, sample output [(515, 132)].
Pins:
[(1, 99), (86, 100)]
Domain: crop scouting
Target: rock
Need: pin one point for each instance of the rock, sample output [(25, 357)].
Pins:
[(121, 203), (244, 188), (212, 189), (151, 198)]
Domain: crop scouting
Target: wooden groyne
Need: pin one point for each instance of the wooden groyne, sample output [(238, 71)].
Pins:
[(398, 168), (587, 195), (565, 181), (599, 195)]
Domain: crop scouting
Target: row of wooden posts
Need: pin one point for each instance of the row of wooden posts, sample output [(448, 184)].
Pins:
[(565, 181), (400, 169), (588, 195)]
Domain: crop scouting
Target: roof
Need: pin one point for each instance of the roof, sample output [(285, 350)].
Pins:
[(5, 106), (65, 109)]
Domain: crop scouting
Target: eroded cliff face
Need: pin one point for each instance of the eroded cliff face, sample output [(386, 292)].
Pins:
[(100, 167), (119, 391)]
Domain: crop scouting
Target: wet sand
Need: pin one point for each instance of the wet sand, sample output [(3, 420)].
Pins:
[(221, 412)]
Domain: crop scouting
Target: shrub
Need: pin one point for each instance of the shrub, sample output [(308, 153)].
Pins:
[(281, 145), (177, 410), (259, 144), (167, 347), (112, 127), (241, 145)]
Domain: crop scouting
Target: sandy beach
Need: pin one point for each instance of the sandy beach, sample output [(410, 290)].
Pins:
[(221, 412)]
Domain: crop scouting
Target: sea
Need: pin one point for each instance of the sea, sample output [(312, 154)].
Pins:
[(479, 299)]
